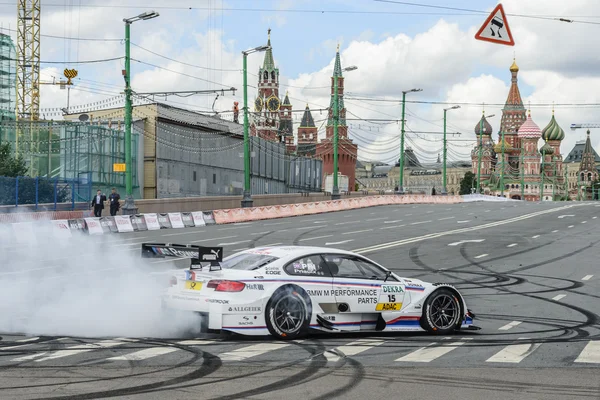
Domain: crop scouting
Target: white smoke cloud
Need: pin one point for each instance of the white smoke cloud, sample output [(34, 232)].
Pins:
[(85, 286)]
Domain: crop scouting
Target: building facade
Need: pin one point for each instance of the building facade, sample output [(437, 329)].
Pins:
[(515, 166)]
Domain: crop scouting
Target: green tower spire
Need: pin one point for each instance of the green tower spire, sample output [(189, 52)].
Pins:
[(269, 63)]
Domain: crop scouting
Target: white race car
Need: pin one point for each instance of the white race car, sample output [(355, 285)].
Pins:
[(287, 290)]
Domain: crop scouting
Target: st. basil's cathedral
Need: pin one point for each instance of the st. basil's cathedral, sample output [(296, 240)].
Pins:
[(272, 120)]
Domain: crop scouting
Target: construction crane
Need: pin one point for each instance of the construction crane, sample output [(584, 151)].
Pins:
[(28, 59), (583, 126)]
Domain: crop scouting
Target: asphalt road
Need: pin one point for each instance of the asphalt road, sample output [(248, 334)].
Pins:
[(528, 271)]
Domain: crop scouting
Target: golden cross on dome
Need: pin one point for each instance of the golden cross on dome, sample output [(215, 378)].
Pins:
[(552, 108)]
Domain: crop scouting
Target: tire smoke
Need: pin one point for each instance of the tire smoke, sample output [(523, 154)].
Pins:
[(79, 285)]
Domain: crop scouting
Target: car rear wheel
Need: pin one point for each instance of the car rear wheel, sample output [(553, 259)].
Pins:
[(288, 313), (442, 313)]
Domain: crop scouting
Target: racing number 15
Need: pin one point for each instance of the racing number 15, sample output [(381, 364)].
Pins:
[(392, 298)]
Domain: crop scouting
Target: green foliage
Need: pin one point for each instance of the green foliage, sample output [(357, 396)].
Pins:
[(467, 183), (10, 165), (356, 186)]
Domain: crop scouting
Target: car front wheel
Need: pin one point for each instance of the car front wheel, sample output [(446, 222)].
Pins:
[(442, 312), (288, 313)]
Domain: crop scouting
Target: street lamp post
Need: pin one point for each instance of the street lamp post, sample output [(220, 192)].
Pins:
[(444, 188), (480, 153), (335, 191), (247, 197), (401, 172), (129, 207)]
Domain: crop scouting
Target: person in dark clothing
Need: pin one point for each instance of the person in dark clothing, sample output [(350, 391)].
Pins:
[(114, 202), (98, 203)]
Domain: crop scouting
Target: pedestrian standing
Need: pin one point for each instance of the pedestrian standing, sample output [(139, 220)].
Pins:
[(114, 202), (98, 203)]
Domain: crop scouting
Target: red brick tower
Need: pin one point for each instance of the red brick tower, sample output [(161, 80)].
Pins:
[(347, 150), (308, 134)]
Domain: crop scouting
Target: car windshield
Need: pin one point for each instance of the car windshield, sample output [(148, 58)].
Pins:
[(247, 261)]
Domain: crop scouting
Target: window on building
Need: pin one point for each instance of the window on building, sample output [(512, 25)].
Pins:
[(194, 176), (214, 179), (266, 75), (273, 76)]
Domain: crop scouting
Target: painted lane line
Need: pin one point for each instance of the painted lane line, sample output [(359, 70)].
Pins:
[(144, 354), (242, 223), (563, 216), (463, 222), (342, 242), (488, 210), (352, 349), (535, 237), (232, 243), (509, 325), (512, 245), (429, 212), (27, 340), (347, 223), (482, 255), (422, 222), (466, 241), (443, 219), (430, 353), (571, 226), (196, 342), (212, 239), (408, 215), (350, 233), (261, 233), (251, 351), (587, 277), (27, 358), (226, 229), (558, 297), (376, 219), (318, 222), (310, 227), (276, 223), (462, 230), (554, 231), (315, 238), (594, 217), (392, 222), (71, 351), (584, 222), (182, 233), (393, 227), (591, 353), (514, 353)]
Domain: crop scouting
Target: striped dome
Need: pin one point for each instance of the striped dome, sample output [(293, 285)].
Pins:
[(529, 129), (553, 131), (547, 149)]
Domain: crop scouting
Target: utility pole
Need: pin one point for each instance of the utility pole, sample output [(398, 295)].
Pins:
[(522, 174), (444, 188), (480, 151), (401, 179), (129, 207), (247, 196), (554, 178), (543, 173)]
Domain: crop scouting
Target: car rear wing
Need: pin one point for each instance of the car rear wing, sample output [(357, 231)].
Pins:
[(197, 254)]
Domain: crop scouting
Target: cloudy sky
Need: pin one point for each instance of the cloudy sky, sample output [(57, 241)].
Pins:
[(197, 44)]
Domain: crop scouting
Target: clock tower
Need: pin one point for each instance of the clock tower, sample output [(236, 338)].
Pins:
[(268, 110)]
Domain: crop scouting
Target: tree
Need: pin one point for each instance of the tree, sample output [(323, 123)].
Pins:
[(467, 183), (11, 166)]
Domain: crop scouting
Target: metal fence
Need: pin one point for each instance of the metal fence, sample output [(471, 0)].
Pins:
[(47, 194)]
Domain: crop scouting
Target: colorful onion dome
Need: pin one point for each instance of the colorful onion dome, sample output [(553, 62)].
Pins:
[(487, 128), (498, 147), (529, 129), (547, 149), (553, 131)]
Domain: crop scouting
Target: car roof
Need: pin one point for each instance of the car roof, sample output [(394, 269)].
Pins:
[(284, 251)]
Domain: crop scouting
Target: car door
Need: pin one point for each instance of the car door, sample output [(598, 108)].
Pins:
[(362, 286)]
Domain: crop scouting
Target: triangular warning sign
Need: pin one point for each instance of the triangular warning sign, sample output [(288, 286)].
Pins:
[(495, 28)]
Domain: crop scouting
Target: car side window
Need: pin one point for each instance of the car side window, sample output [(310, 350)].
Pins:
[(344, 266), (308, 266)]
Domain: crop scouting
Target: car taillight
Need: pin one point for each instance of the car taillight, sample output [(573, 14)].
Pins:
[(173, 281), (226, 286)]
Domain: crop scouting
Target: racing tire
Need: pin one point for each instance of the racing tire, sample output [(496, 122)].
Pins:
[(442, 313), (288, 313)]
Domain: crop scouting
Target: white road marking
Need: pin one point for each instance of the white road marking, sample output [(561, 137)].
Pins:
[(376, 219), (591, 352), (571, 226), (196, 342), (514, 353), (558, 297), (587, 277), (563, 216), (28, 340), (393, 227), (535, 237), (271, 244), (488, 210), (310, 227), (83, 348), (17, 346), (594, 217), (251, 351), (232, 243), (343, 241), (466, 241), (276, 223), (353, 348), (482, 255), (350, 233), (554, 231), (183, 233), (429, 353), (509, 325), (242, 223), (137, 238), (144, 354), (351, 222), (260, 233), (319, 221), (512, 245), (315, 238), (471, 213), (422, 222), (463, 222), (407, 215), (429, 212), (212, 239), (443, 219), (392, 222), (584, 222), (224, 229), (27, 358)]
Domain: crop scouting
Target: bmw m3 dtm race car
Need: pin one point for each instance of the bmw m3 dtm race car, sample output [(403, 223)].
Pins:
[(286, 291)]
